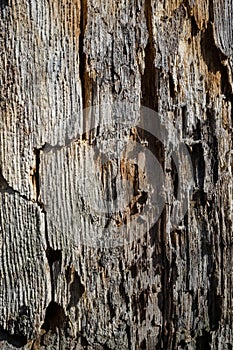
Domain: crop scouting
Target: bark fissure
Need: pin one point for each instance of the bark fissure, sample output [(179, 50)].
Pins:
[(150, 78), (82, 56), (37, 177), (52, 255), (150, 98), (55, 315), (6, 188)]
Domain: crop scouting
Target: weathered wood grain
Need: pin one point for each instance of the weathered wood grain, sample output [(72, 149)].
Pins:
[(64, 284)]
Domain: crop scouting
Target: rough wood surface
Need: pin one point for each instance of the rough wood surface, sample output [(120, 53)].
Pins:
[(64, 285)]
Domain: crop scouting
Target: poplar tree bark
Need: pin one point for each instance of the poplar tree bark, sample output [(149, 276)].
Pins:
[(59, 287)]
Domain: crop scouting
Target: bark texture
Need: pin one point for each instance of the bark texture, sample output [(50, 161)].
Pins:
[(161, 291)]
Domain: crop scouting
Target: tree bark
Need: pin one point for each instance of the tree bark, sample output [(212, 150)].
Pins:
[(68, 279)]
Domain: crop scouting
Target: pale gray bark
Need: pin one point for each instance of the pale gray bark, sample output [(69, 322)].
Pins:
[(59, 289)]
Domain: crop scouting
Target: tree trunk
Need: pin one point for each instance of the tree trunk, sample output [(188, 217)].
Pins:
[(116, 174)]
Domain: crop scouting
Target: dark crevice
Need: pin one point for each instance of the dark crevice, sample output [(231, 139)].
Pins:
[(214, 160), (211, 11), (194, 26), (54, 317), (134, 270), (75, 286), (213, 143), (222, 251), (203, 341), (198, 163), (184, 120), (143, 304), (182, 344), (150, 78), (171, 86), (82, 56), (168, 278), (110, 306), (143, 344), (213, 57), (17, 340), (168, 271), (84, 341), (54, 257), (128, 333), (206, 246), (108, 181), (210, 51), (36, 176), (214, 301), (175, 178), (139, 304), (4, 3), (6, 188)]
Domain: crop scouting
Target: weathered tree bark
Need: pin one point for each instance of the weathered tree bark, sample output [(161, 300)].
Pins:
[(62, 284)]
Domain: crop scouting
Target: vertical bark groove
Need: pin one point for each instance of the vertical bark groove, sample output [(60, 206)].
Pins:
[(85, 81)]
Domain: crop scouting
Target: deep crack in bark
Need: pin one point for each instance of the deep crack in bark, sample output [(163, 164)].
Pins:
[(6, 188), (82, 57), (51, 254)]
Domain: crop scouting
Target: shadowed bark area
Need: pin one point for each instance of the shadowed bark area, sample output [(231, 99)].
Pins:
[(85, 262)]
